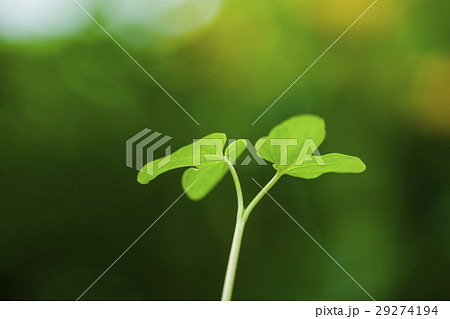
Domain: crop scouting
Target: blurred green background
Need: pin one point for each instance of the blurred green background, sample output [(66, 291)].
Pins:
[(70, 98)]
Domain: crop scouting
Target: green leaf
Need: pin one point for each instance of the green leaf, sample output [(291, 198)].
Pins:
[(198, 182), (290, 147), (206, 160), (285, 141), (207, 176), (234, 150), (195, 154), (333, 163)]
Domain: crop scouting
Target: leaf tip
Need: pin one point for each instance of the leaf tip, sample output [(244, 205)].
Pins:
[(143, 178), (363, 166)]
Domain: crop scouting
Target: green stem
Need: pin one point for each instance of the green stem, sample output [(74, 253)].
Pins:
[(260, 195), (240, 197), (233, 260), (242, 217)]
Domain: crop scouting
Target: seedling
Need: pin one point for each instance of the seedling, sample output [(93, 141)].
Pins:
[(292, 148)]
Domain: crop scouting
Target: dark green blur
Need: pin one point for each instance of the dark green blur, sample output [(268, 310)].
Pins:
[(69, 206)]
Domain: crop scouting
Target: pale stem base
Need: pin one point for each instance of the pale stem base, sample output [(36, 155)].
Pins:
[(233, 260)]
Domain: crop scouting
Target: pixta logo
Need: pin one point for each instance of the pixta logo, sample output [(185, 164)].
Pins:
[(143, 145)]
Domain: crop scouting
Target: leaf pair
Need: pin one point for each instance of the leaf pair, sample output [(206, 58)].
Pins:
[(291, 146), (207, 162)]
